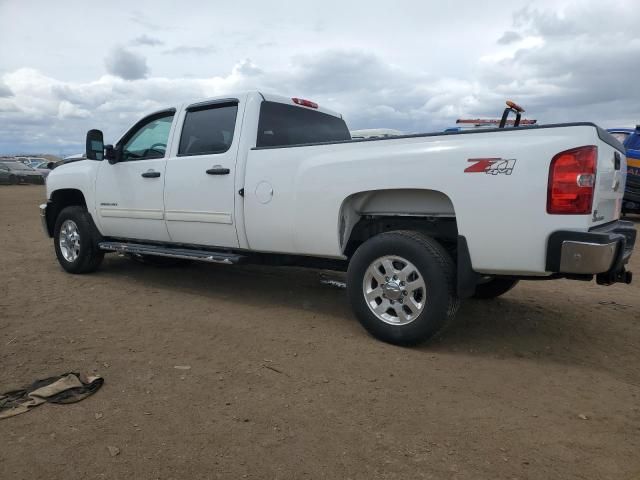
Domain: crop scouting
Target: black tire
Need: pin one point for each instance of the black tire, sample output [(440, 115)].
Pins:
[(13, 180), (437, 270), (90, 256), (494, 288)]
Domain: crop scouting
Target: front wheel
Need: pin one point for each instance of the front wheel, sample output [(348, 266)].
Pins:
[(401, 286), (76, 241)]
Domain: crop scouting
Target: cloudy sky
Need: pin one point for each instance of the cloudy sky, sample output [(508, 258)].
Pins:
[(415, 66)]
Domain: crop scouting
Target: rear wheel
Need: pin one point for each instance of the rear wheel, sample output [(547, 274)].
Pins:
[(76, 241), (13, 180), (494, 287), (401, 286)]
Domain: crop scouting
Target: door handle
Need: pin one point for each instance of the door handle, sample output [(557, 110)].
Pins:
[(218, 170), (150, 174)]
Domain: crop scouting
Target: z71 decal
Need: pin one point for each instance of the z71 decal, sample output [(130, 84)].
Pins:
[(491, 166)]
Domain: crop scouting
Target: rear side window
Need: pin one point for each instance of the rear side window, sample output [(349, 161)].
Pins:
[(208, 130), (282, 125)]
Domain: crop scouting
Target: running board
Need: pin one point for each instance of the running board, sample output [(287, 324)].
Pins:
[(170, 252)]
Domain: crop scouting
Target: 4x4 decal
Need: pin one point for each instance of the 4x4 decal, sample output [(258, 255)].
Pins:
[(492, 166)]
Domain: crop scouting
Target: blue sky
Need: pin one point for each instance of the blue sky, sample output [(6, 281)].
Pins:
[(409, 65)]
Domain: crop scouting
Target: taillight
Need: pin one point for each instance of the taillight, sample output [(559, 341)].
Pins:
[(572, 180), (305, 103)]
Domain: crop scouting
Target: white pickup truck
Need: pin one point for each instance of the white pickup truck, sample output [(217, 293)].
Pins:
[(417, 221)]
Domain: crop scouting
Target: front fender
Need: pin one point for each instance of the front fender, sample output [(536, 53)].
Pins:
[(70, 184), (79, 176)]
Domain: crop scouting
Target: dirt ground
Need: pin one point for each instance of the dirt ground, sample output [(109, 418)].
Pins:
[(283, 383)]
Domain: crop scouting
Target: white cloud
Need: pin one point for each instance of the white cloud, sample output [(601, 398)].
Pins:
[(147, 40), (67, 109), (5, 91), (565, 61), (509, 37), (190, 50)]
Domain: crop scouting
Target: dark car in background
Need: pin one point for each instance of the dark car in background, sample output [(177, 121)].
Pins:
[(13, 173), (44, 168), (630, 138)]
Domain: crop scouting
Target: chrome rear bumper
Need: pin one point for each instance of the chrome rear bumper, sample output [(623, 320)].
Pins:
[(581, 257), (602, 251)]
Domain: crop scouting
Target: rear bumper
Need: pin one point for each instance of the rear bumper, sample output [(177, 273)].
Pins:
[(602, 251)]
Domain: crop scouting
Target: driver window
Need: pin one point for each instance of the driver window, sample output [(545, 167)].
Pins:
[(149, 141)]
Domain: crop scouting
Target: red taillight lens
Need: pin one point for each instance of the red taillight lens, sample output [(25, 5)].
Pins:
[(572, 180), (305, 103)]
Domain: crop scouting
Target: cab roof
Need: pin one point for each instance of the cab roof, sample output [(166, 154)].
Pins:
[(269, 97)]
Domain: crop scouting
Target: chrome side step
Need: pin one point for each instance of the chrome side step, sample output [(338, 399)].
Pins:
[(182, 253)]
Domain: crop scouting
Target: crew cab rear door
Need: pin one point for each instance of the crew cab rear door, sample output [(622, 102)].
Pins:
[(199, 195)]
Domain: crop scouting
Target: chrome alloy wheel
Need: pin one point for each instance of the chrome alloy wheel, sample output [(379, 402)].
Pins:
[(69, 241), (394, 290)]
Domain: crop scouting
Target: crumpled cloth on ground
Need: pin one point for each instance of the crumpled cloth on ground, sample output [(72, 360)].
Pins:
[(67, 388)]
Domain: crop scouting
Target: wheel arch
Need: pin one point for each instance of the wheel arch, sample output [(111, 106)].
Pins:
[(431, 212), (371, 212), (59, 199)]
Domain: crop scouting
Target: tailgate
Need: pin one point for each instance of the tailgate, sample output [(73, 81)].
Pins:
[(610, 180)]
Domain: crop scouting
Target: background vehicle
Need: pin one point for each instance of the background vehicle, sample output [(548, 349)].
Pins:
[(42, 168), (630, 138), (21, 173), (463, 124), (32, 161), (621, 134), (375, 133), (6, 177), (417, 221)]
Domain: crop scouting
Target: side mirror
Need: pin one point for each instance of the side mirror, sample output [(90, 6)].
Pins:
[(95, 145), (51, 165), (110, 154)]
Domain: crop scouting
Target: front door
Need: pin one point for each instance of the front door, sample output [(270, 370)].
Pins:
[(129, 193), (199, 194)]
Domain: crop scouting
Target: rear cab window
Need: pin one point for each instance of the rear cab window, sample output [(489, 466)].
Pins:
[(282, 125)]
